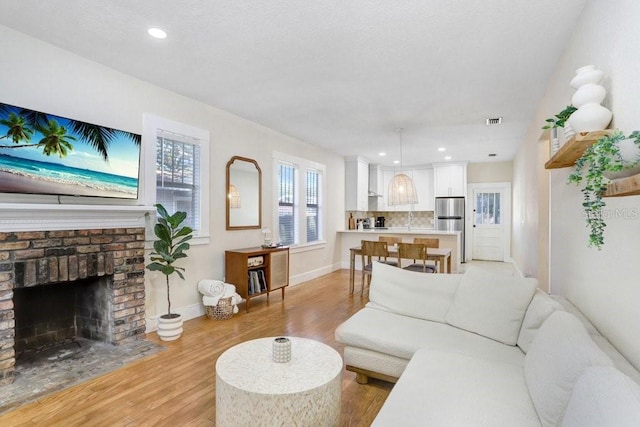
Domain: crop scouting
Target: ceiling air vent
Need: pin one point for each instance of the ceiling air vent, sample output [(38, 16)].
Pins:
[(494, 121)]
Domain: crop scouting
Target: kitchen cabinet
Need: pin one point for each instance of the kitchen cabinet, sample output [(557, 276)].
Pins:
[(423, 180), (450, 179), (356, 184), (387, 176), (375, 180)]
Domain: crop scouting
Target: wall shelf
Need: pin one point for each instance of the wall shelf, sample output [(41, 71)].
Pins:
[(572, 150), (629, 186)]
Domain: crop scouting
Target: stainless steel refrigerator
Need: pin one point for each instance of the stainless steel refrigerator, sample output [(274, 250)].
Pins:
[(449, 216)]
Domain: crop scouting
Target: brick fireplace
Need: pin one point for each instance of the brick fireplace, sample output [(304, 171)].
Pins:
[(112, 257)]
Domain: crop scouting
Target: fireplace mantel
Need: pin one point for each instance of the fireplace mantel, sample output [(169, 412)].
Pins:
[(42, 217)]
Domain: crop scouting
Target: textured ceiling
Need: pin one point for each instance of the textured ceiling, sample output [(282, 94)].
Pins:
[(343, 74)]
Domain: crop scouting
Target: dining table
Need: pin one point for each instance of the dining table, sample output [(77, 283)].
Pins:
[(440, 255)]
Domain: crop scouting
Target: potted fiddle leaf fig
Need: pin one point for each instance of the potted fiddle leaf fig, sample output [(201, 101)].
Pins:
[(600, 162), (171, 245)]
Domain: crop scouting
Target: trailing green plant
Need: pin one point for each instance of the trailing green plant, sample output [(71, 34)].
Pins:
[(598, 159), (170, 246), (560, 118)]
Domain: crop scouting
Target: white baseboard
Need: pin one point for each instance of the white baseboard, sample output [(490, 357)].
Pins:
[(188, 312), (313, 274)]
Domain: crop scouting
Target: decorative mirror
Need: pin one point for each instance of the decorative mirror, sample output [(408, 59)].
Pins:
[(244, 194)]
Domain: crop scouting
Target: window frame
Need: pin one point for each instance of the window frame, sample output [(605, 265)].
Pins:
[(152, 125), (301, 166)]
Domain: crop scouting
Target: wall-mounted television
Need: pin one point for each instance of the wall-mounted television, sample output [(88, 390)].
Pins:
[(41, 153)]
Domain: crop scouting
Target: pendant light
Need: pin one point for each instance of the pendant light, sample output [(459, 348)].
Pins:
[(234, 197), (402, 190)]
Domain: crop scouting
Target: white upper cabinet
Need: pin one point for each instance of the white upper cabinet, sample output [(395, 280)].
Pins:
[(450, 179), (423, 180), (356, 183)]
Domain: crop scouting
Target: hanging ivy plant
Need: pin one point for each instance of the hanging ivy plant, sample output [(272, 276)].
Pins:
[(600, 158)]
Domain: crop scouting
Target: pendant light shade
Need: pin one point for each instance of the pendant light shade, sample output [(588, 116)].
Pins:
[(234, 197), (402, 190)]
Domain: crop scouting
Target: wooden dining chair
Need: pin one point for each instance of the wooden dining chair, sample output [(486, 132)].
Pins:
[(391, 240), (416, 252), (429, 242), (371, 251)]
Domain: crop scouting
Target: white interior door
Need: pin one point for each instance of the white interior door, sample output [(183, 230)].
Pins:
[(491, 218)]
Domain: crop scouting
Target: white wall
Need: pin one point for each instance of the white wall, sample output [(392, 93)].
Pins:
[(39, 76), (603, 284), (490, 172)]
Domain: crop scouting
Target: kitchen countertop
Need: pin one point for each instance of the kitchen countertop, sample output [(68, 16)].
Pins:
[(402, 230)]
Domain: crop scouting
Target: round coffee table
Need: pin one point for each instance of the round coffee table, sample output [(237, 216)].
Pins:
[(252, 389)]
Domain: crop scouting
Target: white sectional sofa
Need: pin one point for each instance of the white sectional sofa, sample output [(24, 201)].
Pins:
[(485, 350)]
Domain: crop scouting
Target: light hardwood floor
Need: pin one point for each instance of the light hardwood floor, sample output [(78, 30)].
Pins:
[(176, 387)]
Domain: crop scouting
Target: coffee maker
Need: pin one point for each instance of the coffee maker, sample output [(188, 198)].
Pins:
[(380, 222)]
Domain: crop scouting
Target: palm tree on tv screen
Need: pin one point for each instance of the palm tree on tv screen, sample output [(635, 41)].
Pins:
[(56, 141)]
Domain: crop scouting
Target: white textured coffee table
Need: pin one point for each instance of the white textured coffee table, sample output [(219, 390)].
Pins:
[(253, 390)]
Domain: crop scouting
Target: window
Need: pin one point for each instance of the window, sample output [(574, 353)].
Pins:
[(313, 206), (487, 208), (177, 177), (299, 190), (286, 204), (173, 177)]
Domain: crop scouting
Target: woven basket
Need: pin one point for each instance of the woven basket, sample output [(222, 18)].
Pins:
[(222, 311)]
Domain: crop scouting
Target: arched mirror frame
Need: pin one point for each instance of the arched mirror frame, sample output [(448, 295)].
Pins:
[(228, 205)]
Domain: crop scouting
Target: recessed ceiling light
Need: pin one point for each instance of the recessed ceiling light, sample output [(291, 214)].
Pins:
[(382, 154), (396, 162), (447, 157), (441, 149), (157, 33)]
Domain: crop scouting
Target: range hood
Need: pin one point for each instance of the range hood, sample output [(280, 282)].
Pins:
[(375, 180)]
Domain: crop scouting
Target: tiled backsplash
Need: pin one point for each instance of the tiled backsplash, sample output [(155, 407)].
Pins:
[(421, 219)]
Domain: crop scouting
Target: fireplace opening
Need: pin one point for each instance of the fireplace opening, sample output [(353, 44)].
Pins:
[(59, 316)]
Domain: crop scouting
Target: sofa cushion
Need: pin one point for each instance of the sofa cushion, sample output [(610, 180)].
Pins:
[(490, 305), (445, 389), (559, 353), (402, 336), (420, 295), (603, 396), (539, 310)]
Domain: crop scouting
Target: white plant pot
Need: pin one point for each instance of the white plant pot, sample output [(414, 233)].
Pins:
[(170, 329), (568, 132), (630, 154)]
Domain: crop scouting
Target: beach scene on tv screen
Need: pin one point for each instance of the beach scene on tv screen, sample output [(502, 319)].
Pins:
[(41, 153)]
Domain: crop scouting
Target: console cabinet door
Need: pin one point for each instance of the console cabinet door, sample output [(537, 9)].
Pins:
[(279, 273)]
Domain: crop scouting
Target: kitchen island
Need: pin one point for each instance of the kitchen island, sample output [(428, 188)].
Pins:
[(351, 238)]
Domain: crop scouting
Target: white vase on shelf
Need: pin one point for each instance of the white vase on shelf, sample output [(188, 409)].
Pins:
[(590, 115), (586, 74)]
